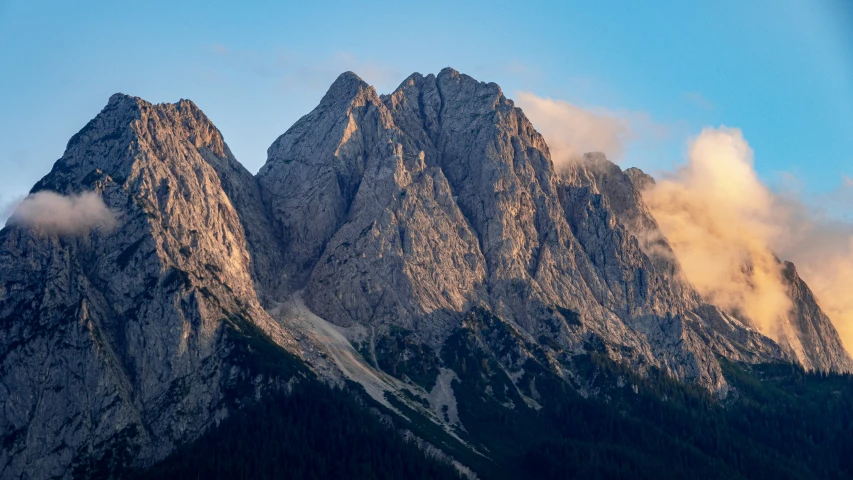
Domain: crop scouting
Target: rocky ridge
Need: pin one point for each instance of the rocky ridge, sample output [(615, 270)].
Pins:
[(121, 340), (415, 225)]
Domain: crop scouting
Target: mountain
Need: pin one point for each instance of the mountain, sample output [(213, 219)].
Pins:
[(125, 339), (418, 250)]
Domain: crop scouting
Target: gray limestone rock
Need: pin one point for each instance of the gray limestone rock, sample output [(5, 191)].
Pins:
[(412, 216), (118, 339)]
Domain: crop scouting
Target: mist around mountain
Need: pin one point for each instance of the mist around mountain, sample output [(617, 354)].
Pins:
[(408, 288)]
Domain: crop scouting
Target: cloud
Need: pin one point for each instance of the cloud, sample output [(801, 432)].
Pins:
[(246, 61), (301, 72), (847, 181), (726, 228), (721, 220), (820, 242), (520, 70), (372, 72), (50, 212), (827, 267), (571, 131)]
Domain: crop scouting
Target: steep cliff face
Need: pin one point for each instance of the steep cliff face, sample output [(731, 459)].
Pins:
[(121, 339), (798, 330), (441, 196), (316, 167), (727, 334), (808, 334), (426, 231)]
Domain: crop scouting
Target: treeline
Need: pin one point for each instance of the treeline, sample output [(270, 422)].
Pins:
[(779, 422), (315, 432)]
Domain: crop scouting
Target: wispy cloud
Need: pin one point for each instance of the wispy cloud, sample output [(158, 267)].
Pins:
[(720, 220), (371, 71), (571, 131), (524, 71), (726, 226), (246, 61), (50, 212)]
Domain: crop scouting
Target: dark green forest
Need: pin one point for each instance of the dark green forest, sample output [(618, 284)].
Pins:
[(777, 422), (316, 432), (784, 424)]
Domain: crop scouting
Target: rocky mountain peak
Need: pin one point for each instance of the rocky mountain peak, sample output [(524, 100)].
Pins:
[(347, 84), (314, 169), (639, 178), (393, 236), (135, 313), (347, 92), (111, 142)]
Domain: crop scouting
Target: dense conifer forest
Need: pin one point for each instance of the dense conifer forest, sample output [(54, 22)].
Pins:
[(779, 422), (316, 432), (776, 422)]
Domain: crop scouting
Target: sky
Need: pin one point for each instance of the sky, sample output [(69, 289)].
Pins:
[(781, 71), (743, 110)]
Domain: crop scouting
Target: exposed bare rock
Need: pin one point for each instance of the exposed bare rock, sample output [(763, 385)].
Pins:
[(808, 335), (517, 238), (413, 225), (315, 168), (119, 340)]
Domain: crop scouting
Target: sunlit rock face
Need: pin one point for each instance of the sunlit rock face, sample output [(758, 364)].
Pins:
[(114, 339), (406, 210), (410, 221)]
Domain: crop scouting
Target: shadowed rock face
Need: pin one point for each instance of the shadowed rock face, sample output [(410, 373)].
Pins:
[(804, 323), (441, 196), (808, 335), (115, 339), (400, 215)]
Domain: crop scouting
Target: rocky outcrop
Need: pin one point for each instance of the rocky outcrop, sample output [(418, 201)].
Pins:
[(414, 225), (805, 335), (808, 334), (316, 168), (441, 196), (119, 340)]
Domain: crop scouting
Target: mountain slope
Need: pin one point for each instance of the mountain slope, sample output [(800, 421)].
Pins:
[(123, 338), (417, 248), (445, 199), (797, 331)]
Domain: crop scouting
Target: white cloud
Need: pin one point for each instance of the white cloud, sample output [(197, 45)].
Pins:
[(725, 225), (50, 212), (721, 220), (571, 131)]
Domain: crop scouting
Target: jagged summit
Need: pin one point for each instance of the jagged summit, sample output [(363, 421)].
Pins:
[(639, 178), (348, 79), (111, 142), (386, 240), (119, 97), (347, 88), (119, 103), (129, 315)]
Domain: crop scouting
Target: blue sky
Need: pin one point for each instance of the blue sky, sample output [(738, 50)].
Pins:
[(782, 71)]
